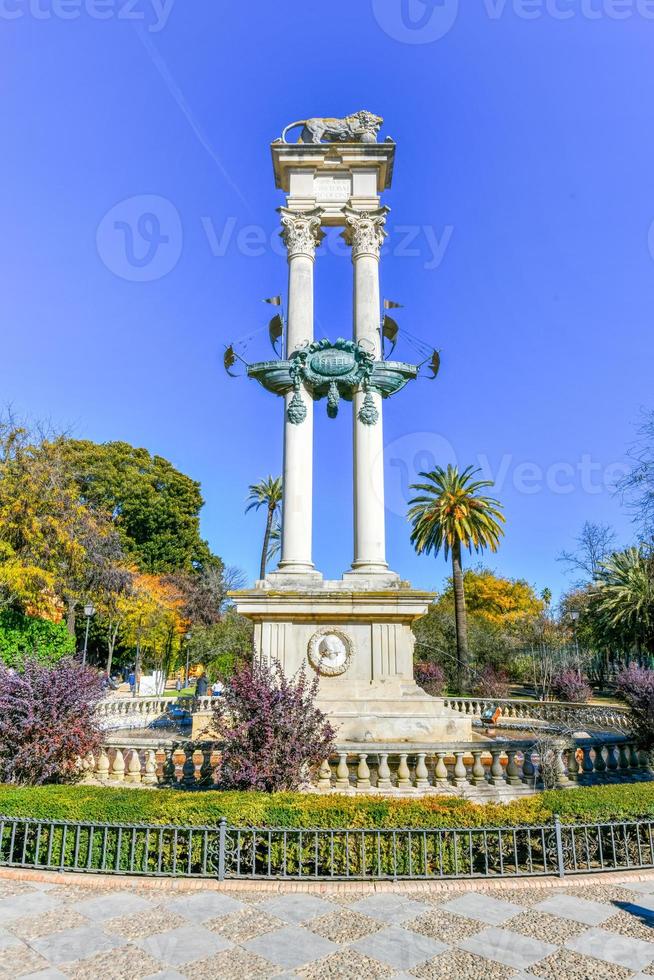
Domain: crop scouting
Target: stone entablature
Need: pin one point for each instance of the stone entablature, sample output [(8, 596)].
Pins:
[(333, 176)]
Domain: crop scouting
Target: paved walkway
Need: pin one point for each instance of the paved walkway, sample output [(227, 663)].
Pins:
[(586, 929)]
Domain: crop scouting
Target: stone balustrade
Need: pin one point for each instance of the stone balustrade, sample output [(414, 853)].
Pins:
[(182, 766), (124, 713), (572, 715), (477, 769), (498, 768)]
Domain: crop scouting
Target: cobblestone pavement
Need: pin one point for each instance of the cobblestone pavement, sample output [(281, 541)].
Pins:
[(591, 929)]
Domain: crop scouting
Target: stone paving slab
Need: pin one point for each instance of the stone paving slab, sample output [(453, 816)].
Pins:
[(484, 908), (595, 928), (508, 948)]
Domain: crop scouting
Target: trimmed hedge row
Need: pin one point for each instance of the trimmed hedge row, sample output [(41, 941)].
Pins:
[(107, 805)]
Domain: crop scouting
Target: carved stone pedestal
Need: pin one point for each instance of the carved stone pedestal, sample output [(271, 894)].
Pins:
[(360, 644)]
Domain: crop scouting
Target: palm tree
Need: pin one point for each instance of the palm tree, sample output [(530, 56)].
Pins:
[(275, 543), (449, 514), (625, 597), (266, 493)]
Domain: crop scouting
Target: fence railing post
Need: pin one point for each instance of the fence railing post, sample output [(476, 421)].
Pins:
[(222, 837), (559, 846)]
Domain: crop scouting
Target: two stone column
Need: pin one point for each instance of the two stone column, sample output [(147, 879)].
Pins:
[(301, 233), (364, 232)]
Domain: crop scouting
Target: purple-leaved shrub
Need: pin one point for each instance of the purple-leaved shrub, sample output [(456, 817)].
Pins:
[(636, 685), (431, 676), (47, 720), (491, 683), (274, 735), (570, 685)]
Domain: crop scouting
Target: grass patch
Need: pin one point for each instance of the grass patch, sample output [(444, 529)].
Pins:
[(108, 805)]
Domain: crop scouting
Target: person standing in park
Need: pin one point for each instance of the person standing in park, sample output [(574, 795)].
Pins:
[(201, 685), (131, 680)]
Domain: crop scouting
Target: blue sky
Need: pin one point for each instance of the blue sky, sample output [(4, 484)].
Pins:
[(519, 242)]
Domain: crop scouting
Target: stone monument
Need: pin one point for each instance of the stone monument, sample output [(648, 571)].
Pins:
[(355, 632)]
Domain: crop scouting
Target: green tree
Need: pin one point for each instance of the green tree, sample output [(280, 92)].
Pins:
[(502, 617), (624, 598), (28, 636), (450, 514), (266, 493), (154, 507), (52, 544), (223, 646)]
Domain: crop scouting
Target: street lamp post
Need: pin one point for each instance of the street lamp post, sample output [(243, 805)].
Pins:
[(89, 610)]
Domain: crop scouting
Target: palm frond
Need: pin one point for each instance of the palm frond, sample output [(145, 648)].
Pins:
[(449, 508)]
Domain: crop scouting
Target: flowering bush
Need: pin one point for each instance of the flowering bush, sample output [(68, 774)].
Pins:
[(491, 683), (274, 735), (46, 720), (570, 685), (636, 684), (430, 676)]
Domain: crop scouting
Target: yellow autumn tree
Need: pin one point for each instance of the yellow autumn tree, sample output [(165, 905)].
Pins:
[(151, 621), (501, 601)]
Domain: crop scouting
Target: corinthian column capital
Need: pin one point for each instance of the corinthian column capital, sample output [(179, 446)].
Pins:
[(301, 231), (364, 231)]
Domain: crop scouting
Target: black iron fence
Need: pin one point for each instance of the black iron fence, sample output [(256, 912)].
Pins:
[(322, 854)]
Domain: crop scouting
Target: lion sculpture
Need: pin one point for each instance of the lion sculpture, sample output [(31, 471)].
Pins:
[(362, 127)]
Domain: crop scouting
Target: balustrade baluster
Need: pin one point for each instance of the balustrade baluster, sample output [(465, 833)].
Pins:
[(497, 769), (150, 775), (363, 772), (573, 764), (102, 765), (460, 771), (422, 773), (623, 756), (600, 764), (611, 761), (198, 765), (403, 773), (441, 775), (133, 774), (512, 772), (528, 768), (562, 779), (213, 760), (117, 772), (383, 772), (178, 760), (587, 765), (342, 772), (325, 776), (478, 769), (160, 757)]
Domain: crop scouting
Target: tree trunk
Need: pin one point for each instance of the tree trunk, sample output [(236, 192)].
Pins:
[(70, 616), (112, 637), (460, 619), (266, 542)]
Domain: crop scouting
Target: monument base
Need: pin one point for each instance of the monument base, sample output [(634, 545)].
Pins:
[(360, 643)]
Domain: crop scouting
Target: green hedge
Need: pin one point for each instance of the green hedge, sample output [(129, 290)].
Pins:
[(108, 805), (22, 635)]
